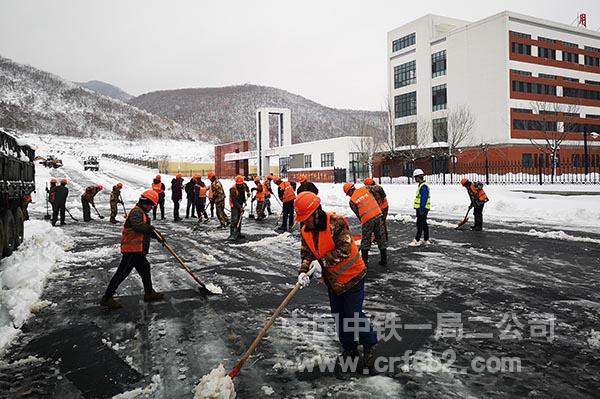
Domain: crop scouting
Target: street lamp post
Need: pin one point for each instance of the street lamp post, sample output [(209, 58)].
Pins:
[(585, 154)]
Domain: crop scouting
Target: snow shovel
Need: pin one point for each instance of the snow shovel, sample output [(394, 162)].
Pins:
[(465, 220), (47, 215), (77, 220), (236, 370), (99, 215), (203, 288), (123, 204)]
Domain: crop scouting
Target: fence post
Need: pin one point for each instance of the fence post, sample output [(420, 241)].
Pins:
[(540, 171)]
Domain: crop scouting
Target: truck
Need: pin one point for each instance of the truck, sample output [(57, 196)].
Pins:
[(17, 182), (91, 163), (52, 162)]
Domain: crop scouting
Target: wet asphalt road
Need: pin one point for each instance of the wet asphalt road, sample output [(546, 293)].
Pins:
[(83, 351)]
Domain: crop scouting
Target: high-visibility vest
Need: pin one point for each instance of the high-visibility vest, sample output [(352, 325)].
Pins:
[(367, 205), (288, 191), (131, 240), (417, 204), (340, 273), (384, 204), (157, 187), (267, 188), (260, 195), (209, 193), (202, 192), (478, 194)]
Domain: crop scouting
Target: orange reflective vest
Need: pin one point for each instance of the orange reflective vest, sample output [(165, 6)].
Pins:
[(157, 187), (202, 192), (209, 193), (478, 194), (367, 205), (267, 188), (343, 272), (260, 195), (384, 204), (288, 191), (131, 240)]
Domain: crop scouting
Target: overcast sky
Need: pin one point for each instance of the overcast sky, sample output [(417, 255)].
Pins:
[(333, 52)]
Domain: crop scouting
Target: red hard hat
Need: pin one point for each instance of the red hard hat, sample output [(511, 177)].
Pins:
[(210, 175), (100, 187), (197, 176), (463, 181), (178, 176), (302, 179), (306, 204), (157, 177), (239, 179), (276, 179), (347, 187), (269, 177), (63, 181), (151, 195), (369, 182), (120, 185), (257, 179), (53, 180)]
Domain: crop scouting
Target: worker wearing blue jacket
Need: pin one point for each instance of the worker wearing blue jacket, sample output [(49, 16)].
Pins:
[(422, 206)]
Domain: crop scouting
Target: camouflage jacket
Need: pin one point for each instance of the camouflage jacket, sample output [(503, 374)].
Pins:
[(218, 192), (90, 193), (115, 195)]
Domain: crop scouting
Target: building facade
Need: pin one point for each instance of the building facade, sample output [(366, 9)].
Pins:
[(531, 87)]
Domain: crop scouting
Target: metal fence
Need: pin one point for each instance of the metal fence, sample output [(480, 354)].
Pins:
[(141, 162)]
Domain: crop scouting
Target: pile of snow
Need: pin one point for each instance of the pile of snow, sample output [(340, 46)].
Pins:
[(594, 339), (141, 392), (23, 275), (216, 385), (215, 289)]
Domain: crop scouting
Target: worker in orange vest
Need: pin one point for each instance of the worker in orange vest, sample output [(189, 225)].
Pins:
[(287, 195), (237, 203), (268, 192), (159, 187), (478, 199), (135, 242), (326, 238), (209, 195), (381, 199), (259, 197), (364, 205), (200, 192)]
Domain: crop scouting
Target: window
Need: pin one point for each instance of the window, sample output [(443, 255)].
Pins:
[(546, 76), (570, 79), (592, 82), (592, 60), (358, 169), (403, 42), (518, 72), (327, 160), (581, 93), (438, 64), (521, 48), (546, 53), (538, 125), (440, 130), (527, 161), (545, 39), (385, 170), (570, 57), (405, 104), (406, 134), (522, 110), (308, 161), (519, 34), (438, 97), (284, 165), (405, 74), (592, 116), (536, 88)]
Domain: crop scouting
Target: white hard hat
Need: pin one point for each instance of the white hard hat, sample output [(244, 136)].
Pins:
[(418, 172)]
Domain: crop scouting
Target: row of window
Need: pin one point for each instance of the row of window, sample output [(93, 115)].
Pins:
[(548, 76), (327, 160), (404, 42), (406, 74), (406, 134), (545, 160), (535, 88), (406, 104)]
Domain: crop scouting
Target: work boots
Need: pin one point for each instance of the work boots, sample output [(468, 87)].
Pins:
[(364, 253), (383, 260), (153, 296), (113, 221), (110, 303)]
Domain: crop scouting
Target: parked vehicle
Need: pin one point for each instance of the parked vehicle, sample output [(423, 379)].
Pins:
[(52, 162), (91, 163)]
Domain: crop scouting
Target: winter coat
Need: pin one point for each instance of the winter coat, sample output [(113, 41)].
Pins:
[(237, 196), (60, 195), (115, 195), (218, 192), (308, 186), (90, 193), (176, 189), (135, 220), (189, 190)]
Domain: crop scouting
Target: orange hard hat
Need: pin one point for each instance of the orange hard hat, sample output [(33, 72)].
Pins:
[(239, 179), (347, 187), (269, 177), (197, 176), (120, 185), (100, 187), (369, 182), (257, 179), (151, 195), (463, 181), (158, 177), (276, 179), (53, 180), (210, 175), (302, 179), (178, 176), (63, 181), (306, 204)]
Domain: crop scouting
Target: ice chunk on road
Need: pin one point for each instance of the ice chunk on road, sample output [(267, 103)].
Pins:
[(215, 289), (267, 390), (216, 385)]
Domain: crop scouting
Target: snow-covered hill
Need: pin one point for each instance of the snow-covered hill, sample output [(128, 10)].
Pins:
[(35, 101), (228, 113), (106, 89)]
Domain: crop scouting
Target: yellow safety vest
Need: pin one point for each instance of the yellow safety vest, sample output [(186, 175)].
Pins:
[(418, 197)]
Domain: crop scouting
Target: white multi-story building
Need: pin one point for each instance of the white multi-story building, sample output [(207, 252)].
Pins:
[(522, 79)]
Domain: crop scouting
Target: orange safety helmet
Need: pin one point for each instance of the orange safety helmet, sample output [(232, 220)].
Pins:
[(269, 177), (178, 176), (306, 204), (369, 182), (197, 176), (158, 177), (100, 187), (276, 179), (463, 181), (347, 187), (302, 179), (239, 179), (120, 185), (151, 195), (257, 179), (210, 175), (63, 181), (53, 180)]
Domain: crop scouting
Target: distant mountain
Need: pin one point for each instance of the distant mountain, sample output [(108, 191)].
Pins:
[(39, 102), (106, 89), (228, 113)]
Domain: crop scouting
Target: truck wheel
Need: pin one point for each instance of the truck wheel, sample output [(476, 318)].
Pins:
[(9, 232), (19, 228)]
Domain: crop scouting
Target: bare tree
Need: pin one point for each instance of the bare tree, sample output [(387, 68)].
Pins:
[(460, 125), (368, 145), (553, 132)]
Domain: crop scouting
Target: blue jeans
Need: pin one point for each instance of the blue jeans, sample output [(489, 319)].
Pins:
[(352, 325)]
